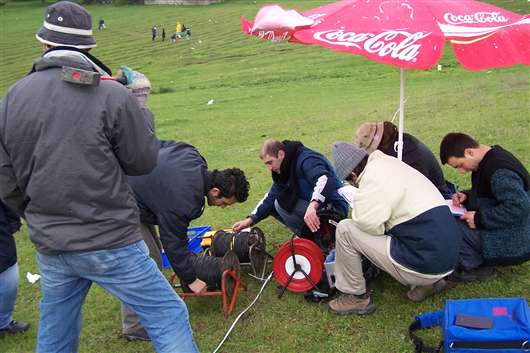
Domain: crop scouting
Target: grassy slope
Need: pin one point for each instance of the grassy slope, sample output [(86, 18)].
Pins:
[(283, 90)]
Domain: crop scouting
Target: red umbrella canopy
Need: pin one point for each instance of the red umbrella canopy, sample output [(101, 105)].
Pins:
[(404, 33)]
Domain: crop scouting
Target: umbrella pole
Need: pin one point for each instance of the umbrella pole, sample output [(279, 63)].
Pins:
[(398, 147)]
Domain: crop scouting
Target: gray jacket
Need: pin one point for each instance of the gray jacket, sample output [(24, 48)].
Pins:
[(65, 151)]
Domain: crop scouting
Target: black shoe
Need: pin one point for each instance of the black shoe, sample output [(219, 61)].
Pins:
[(476, 274), (14, 327), (136, 337)]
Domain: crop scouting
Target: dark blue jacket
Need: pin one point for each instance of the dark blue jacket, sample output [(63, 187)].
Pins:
[(171, 196), (420, 157), (9, 224), (310, 166), (417, 243)]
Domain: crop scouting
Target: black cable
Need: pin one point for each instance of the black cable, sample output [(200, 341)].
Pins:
[(209, 269), (240, 242)]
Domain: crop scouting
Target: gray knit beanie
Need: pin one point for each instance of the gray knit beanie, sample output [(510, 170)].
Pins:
[(346, 157)]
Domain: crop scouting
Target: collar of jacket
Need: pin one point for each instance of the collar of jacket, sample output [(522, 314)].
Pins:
[(69, 56), (207, 179), (372, 157)]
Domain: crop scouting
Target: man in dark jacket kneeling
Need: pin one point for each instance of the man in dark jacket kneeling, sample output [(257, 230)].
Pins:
[(497, 222), (303, 182)]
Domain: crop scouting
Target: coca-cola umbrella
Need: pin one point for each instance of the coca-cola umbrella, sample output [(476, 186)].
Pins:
[(409, 34)]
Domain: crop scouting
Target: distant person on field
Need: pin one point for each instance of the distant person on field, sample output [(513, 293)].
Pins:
[(163, 34), (497, 221), (154, 32), (303, 181), (101, 24), (64, 167), (399, 221), (9, 277), (178, 28), (171, 196), (174, 38), (382, 136)]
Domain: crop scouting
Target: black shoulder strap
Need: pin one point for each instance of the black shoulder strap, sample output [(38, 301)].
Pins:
[(418, 342)]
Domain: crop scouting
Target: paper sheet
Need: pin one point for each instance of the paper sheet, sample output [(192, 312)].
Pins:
[(348, 192)]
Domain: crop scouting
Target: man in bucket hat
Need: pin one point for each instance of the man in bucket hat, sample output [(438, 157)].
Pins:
[(66, 148), (400, 222), (382, 136)]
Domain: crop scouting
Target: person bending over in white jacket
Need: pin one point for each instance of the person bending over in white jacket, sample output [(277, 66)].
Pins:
[(400, 222)]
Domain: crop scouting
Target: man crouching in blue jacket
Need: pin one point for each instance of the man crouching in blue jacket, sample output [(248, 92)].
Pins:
[(303, 182), (400, 222)]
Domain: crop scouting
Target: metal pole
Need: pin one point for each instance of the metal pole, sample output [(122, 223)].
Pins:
[(398, 147)]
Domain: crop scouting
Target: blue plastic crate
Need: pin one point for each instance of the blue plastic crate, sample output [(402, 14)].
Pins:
[(195, 238)]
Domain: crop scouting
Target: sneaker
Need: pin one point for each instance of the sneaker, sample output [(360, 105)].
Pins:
[(14, 327), (476, 274), (346, 304), (136, 337), (420, 293)]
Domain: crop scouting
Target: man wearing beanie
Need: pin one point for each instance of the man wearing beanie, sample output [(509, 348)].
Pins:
[(382, 136), (303, 182), (400, 222), (66, 150)]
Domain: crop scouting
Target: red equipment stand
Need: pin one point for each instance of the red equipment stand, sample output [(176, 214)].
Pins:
[(230, 283)]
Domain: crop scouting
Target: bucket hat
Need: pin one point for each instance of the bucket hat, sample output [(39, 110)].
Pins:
[(68, 24), (368, 136)]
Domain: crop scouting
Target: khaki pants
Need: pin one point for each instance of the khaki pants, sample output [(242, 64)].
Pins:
[(351, 243), (130, 321)]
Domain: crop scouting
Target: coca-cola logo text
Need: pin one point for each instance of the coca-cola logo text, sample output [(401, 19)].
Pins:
[(477, 17), (272, 36), (400, 45)]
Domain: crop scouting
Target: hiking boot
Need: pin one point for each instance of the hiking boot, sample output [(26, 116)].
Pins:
[(476, 274), (14, 327), (136, 336), (346, 304), (420, 293)]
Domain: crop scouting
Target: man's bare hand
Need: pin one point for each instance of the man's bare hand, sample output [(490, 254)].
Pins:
[(311, 218), (459, 198), (469, 217), (238, 226), (197, 286)]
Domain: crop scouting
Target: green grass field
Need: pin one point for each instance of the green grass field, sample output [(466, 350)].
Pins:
[(261, 90)]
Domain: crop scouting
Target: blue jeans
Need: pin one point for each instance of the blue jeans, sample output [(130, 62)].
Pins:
[(8, 294), (295, 219), (127, 273)]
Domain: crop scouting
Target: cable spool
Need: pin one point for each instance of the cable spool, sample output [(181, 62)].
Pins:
[(250, 247), (210, 269), (218, 273), (298, 265)]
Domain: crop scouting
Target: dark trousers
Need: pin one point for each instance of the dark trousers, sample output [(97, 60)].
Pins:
[(470, 254)]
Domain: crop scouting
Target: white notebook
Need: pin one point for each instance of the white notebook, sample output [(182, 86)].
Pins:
[(455, 210)]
